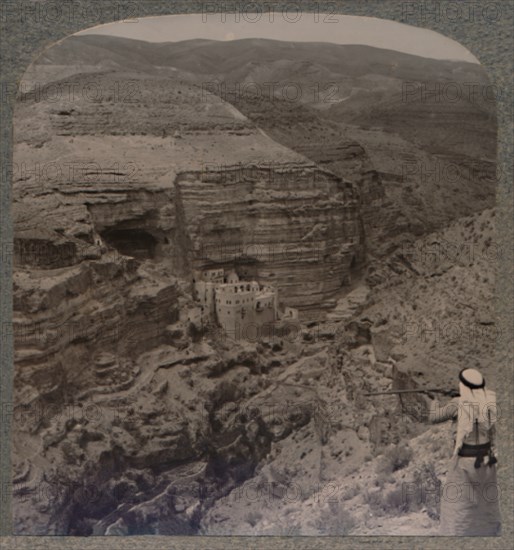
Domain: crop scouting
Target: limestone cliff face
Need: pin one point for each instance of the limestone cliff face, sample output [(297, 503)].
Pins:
[(107, 219), (219, 190), (65, 317), (300, 128), (293, 226)]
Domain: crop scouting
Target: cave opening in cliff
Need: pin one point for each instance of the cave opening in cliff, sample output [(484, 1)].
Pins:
[(137, 243)]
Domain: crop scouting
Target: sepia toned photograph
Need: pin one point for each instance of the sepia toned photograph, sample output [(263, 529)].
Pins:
[(254, 265)]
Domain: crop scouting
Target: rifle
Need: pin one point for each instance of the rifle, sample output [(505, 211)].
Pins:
[(451, 393)]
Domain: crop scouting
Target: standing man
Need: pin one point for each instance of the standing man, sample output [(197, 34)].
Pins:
[(469, 501)]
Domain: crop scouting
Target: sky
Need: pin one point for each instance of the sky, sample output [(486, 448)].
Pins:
[(290, 26)]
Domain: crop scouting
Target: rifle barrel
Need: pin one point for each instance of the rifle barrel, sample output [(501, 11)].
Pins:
[(394, 392)]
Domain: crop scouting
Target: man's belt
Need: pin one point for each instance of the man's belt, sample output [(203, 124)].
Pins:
[(475, 450), (478, 452)]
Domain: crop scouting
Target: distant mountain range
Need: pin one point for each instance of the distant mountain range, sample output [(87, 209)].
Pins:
[(319, 98), (231, 57), (443, 105)]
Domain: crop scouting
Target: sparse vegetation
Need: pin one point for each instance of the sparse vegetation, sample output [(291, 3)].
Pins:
[(422, 491), (253, 517), (335, 520), (394, 459), (382, 479), (430, 485), (351, 492), (392, 503)]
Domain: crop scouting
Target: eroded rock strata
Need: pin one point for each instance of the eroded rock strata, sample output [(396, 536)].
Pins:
[(130, 420)]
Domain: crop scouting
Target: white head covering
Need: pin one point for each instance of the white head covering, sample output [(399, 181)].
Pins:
[(475, 405)]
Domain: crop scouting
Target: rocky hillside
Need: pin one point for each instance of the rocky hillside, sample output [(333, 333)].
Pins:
[(185, 180), (424, 314), (419, 159), (130, 419), (206, 435)]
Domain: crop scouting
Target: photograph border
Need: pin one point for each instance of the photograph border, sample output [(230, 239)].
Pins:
[(475, 25)]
